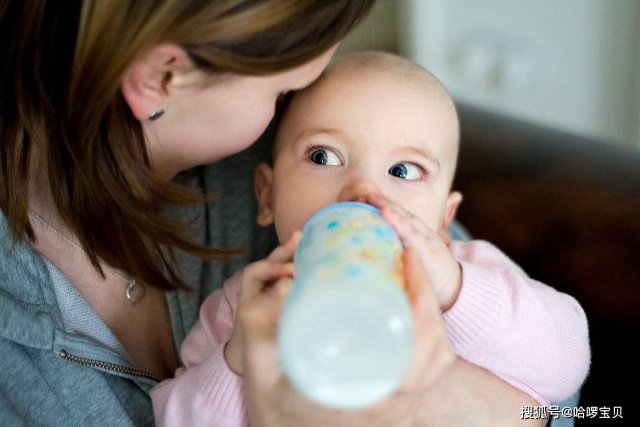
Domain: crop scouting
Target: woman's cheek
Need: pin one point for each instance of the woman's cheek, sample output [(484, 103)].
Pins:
[(261, 120)]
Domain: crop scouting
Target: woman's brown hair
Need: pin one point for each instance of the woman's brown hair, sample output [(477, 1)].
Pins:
[(62, 62)]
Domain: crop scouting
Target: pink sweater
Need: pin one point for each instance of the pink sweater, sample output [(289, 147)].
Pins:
[(530, 335)]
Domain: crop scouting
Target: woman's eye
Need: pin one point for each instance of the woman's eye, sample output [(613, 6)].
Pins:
[(406, 171), (325, 157)]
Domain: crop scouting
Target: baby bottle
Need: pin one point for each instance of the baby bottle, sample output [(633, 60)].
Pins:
[(345, 337)]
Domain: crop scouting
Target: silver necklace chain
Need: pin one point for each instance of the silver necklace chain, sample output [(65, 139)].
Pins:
[(134, 291)]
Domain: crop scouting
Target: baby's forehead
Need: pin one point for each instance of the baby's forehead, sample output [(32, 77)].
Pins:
[(374, 72), (384, 80)]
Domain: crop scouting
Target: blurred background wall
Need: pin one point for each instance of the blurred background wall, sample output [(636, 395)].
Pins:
[(573, 65)]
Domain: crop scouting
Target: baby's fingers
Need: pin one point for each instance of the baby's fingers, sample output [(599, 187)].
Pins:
[(411, 230), (285, 252), (261, 274)]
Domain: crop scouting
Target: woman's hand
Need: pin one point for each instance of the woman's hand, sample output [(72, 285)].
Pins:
[(272, 401), (268, 276), (440, 389)]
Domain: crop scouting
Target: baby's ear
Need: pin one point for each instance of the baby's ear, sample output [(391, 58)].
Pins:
[(451, 207), (262, 187)]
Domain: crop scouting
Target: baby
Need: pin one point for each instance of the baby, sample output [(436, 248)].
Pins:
[(380, 129)]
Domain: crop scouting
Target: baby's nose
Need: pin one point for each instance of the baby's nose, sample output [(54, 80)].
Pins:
[(357, 190)]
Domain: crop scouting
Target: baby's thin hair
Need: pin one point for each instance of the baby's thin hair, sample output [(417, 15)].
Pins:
[(387, 63), (399, 68)]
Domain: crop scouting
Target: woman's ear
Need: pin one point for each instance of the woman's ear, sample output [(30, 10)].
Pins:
[(145, 84), (263, 189), (451, 207)]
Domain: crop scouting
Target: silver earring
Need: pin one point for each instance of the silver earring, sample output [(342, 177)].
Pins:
[(156, 115)]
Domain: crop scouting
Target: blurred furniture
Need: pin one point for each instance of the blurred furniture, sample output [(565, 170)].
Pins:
[(567, 209)]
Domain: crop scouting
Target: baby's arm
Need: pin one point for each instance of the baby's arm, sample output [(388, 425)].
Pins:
[(525, 332), (205, 391)]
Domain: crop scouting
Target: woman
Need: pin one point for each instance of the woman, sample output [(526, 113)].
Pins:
[(103, 104)]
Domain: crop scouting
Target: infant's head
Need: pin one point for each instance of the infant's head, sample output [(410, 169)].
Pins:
[(372, 123)]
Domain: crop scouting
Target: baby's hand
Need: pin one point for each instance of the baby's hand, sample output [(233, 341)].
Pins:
[(271, 274), (443, 271)]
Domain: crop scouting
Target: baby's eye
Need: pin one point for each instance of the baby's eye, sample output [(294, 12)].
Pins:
[(325, 157), (407, 171)]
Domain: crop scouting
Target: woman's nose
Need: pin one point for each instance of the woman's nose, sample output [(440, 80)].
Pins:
[(357, 189)]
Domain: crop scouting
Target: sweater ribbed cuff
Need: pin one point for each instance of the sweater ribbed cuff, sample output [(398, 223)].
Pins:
[(222, 389), (478, 309)]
